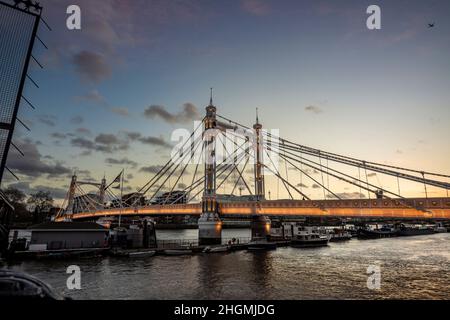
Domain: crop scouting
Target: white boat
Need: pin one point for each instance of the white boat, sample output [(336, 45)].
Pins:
[(216, 249), (309, 237), (340, 235), (142, 254)]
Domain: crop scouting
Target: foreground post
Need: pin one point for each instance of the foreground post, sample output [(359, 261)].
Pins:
[(209, 224)]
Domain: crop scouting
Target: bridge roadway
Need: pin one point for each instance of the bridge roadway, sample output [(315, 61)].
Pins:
[(432, 208)]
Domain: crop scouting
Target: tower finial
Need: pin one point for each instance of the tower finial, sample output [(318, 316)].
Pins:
[(211, 97), (257, 118)]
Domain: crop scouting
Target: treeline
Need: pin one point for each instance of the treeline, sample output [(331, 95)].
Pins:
[(29, 209)]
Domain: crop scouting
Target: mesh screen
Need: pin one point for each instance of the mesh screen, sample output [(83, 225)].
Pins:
[(16, 32)]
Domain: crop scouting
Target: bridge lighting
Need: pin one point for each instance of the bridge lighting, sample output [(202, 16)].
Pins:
[(268, 225)]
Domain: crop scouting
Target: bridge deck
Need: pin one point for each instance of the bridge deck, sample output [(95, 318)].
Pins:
[(432, 208)]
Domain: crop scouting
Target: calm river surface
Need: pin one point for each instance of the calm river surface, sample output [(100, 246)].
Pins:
[(411, 268)]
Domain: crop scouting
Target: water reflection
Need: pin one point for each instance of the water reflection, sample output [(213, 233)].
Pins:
[(412, 268)]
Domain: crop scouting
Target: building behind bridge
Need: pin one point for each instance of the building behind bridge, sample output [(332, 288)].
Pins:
[(233, 198), (133, 199), (175, 197)]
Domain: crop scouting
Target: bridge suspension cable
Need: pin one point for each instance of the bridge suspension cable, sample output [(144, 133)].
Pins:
[(339, 175), (355, 163), (366, 165), (277, 174), (363, 161), (222, 168), (360, 183)]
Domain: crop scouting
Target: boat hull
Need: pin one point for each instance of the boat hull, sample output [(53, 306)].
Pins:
[(375, 234), (219, 249), (178, 252), (341, 238), (261, 246), (145, 254), (309, 243), (414, 232)]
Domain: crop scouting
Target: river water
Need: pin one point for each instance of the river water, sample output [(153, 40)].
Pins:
[(411, 268)]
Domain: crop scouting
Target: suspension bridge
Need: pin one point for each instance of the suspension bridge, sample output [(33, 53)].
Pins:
[(224, 153)]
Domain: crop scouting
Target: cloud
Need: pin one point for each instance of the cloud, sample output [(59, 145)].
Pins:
[(109, 143), (123, 161), (48, 120), (316, 186), (133, 135), (302, 185), (155, 141), (106, 139), (313, 109), (93, 96), (83, 131), (373, 174), (84, 174), (33, 165), (150, 140), (25, 187), (121, 111), (256, 7), (151, 169), (347, 195), (77, 120), (58, 136), (83, 143), (188, 113), (91, 66)]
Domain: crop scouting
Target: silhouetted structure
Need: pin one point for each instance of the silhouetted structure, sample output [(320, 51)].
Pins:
[(17, 41), (19, 25)]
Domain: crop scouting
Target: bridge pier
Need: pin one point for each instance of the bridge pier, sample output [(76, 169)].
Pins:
[(260, 226), (209, 229)]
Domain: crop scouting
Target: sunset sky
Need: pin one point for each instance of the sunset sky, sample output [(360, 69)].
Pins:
[(112, 93)]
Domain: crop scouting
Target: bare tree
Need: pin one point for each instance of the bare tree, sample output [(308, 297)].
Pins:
[(40, 201)]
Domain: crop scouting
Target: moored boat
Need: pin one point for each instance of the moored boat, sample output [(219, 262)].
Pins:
[(440, 228), (385, 231), (340, 235), (409, 231), (308, 237)]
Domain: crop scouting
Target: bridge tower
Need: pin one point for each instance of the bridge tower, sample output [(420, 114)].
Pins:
[(260, 224), (72, 188), (259, 176), (209, 224)]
